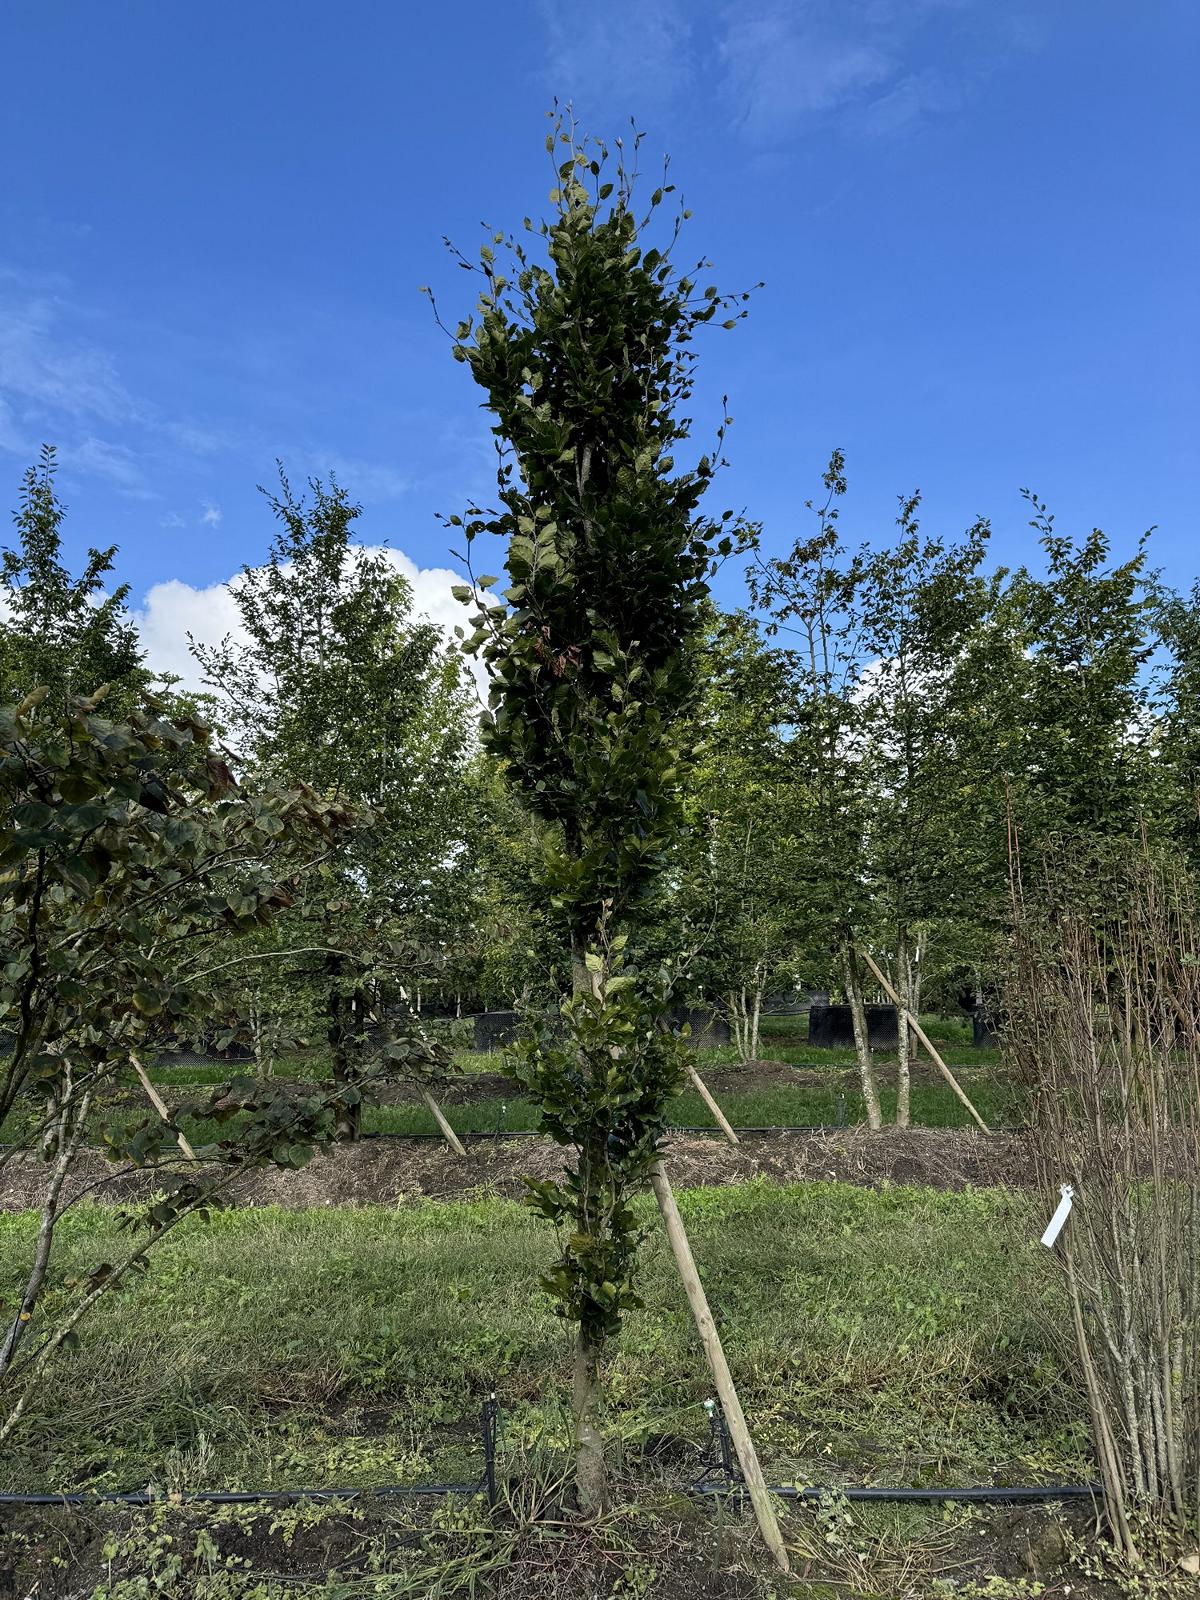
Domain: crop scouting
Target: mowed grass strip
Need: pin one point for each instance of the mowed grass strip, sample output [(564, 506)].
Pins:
[(893, 1335), (802, 1104)]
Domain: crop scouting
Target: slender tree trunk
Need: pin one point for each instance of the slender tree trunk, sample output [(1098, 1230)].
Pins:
[(346, 1116), (264, 1052), (858, 1014), (904, 1040), (739, 1024), (591, 1476), (69, 1134), (756, 1014)]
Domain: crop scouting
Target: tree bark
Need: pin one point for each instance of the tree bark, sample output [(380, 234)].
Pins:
[(737, 1025), (591, 1474), (756, 1015), (858, 1014), (347, 1118), (68, 1141), (591, 1477), (930, 1047), (904, 1040)]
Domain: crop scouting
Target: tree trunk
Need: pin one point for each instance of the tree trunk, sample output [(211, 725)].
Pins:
[(858, 1013), (67, 1141), (264, 1053), (738, 1026), (756, 1014), (904, 1039), (347, 1118), (591, 1478)]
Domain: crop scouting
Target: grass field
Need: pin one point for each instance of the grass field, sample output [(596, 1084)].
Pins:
[(775, 1104), (889, 1336), (808, 1102)]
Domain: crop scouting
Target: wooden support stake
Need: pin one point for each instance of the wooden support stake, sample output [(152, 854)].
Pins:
[(764, 1511), (702, 1090), (925, 1040), (156, 1100), (448, 1132)]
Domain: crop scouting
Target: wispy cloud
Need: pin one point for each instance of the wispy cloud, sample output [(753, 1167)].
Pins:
[(57, 383), (785, 63), (13, 437), (639, 55), (116, 462), (370, 481), (879, 67), (46, 372), (212, 516)]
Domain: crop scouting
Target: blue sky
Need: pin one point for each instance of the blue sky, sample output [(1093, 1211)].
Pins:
[(976, 221)]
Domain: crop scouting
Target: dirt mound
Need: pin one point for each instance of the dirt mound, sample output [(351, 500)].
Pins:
[(391, 1171)]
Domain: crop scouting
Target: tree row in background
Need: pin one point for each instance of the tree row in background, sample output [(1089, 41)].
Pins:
[(870, 735)]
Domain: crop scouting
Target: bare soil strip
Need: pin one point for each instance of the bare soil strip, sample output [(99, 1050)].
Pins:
[(392, 1171)]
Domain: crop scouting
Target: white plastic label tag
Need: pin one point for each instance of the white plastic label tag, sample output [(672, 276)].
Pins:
[(1062, 1212)]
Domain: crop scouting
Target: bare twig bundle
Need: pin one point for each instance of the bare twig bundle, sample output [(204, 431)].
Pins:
[(1104, 1023)]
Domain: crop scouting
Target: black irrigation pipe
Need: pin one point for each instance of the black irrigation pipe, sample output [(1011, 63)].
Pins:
[(496, 1134), (728, 1486), (712, 1130)]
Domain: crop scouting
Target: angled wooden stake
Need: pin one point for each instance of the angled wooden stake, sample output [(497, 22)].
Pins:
[(448, 1132), (703, 1091), (156, 1100), (925, 1040), (764, 1511)]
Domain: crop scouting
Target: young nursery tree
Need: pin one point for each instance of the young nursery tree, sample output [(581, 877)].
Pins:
[(919, 605), (1178, 725), (59, 632), (1083, 701), (337, 685), (810, 597), (583, 346), (737, 876)]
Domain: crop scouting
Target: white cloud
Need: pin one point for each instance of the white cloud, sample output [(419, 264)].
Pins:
[(45, 371), (640, 55), (173, 610), (212, 515), (116, 462), (784, 63), (370, 481), (12, 436)]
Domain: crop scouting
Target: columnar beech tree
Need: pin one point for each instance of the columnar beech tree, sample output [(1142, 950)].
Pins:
[(582, 345)]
